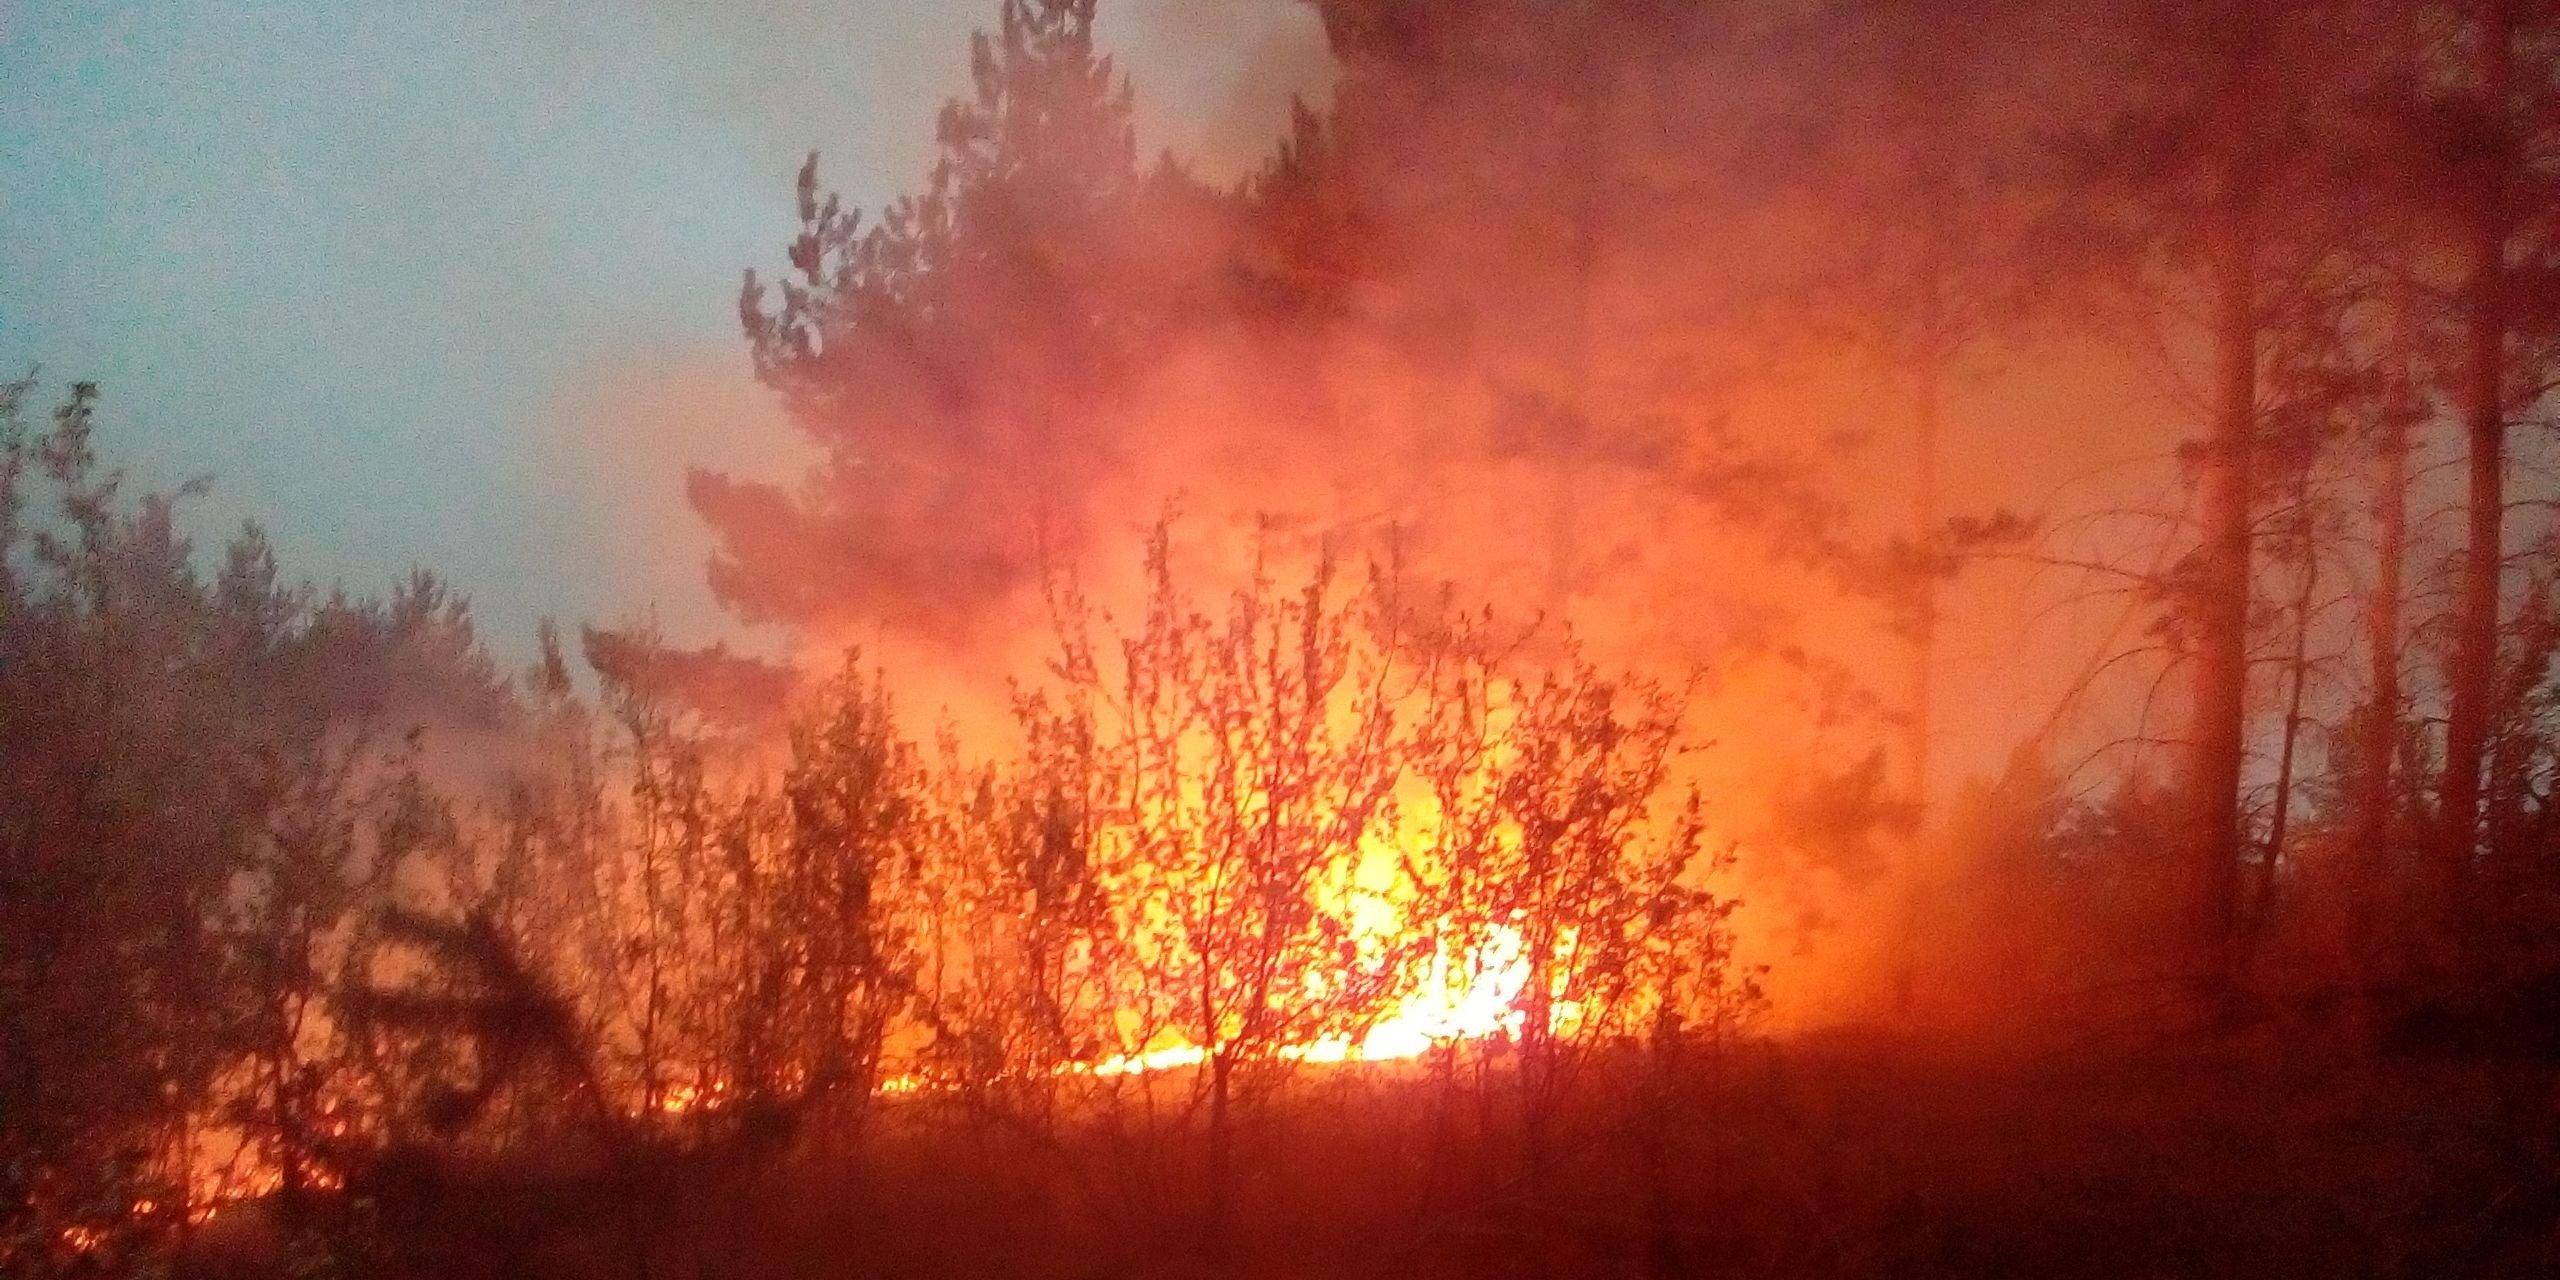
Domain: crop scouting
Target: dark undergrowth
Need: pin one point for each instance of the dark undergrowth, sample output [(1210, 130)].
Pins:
[(1844, 1154)]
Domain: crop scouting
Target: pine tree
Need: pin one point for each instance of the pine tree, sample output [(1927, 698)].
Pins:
[(953, 357)]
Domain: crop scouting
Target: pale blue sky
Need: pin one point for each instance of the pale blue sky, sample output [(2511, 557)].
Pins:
[(453, 282)]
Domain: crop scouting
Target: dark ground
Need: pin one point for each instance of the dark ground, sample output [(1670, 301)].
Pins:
[(1843, 1154)]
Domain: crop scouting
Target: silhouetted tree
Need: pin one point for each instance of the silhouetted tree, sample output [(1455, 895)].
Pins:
[(192, 775), (953, 357), (1249, 756)]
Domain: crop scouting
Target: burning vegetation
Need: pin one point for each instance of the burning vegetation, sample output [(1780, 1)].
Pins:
[(1989, 750)]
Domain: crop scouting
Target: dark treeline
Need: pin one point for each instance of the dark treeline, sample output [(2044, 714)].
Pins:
[(329, 938), (330, 944)]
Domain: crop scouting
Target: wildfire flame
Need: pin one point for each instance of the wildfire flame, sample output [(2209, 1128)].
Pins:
[(1475, 998)]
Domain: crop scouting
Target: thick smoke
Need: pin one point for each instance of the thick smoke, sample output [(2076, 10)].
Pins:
[(1616, 316)]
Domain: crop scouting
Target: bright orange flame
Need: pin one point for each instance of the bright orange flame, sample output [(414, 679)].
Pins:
[(1473, 1000), (679, 1099)]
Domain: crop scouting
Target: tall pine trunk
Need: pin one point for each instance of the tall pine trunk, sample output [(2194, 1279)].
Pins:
[(2373, 798), (2262, 893), (2216, 739), (2372, 801), (2475, 655)]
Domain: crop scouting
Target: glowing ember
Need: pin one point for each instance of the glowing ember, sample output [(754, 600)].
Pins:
[(1122, 1064), (679, 1099)]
